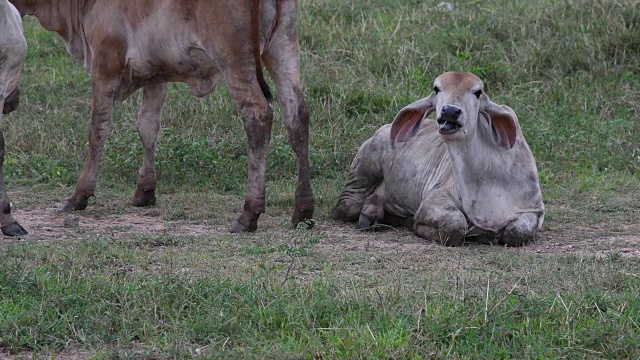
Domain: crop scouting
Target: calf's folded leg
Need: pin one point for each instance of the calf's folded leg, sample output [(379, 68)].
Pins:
[(439, 219), (521, 230), (365, 175), (373, 209)]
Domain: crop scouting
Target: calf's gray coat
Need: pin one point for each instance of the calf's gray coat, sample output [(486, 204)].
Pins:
[(468, 174)]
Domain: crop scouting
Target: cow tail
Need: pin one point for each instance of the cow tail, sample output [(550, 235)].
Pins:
[(255, 20)]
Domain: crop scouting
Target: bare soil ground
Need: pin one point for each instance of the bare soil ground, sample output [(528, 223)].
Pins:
[(49, 224), (65, 355)]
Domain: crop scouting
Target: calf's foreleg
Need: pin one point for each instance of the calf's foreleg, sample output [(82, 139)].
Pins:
[(438, 219), (521, 230)]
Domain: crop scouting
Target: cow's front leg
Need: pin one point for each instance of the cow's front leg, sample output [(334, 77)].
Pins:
[(521, 230), (148, 128), (9, 225), (438, 219), (103, 101)]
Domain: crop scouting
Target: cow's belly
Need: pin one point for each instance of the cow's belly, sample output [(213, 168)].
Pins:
[(192, 66), (196, 69)]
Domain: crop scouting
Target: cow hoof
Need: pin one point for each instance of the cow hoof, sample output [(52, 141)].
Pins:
[(451, 236), (144, 198), (453, 241), (237, 227), (365, 222), (520, 231), (346, 212), (75, 205), (517, 240), (13, 229), (304, 217)]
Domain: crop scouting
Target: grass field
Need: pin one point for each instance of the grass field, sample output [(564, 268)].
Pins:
[(170, 282)]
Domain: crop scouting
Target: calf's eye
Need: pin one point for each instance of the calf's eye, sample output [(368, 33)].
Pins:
[(436, 89), (477, 93)]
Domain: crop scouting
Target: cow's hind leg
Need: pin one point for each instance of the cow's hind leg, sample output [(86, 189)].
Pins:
[(148, 128), (282, 58), (258, 118), (520, 231), (8, 223)]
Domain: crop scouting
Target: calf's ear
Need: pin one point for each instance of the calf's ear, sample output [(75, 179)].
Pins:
[(407, 122), (503, 123)]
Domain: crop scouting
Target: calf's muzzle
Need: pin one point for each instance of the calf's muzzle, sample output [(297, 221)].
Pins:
[(448, 119)]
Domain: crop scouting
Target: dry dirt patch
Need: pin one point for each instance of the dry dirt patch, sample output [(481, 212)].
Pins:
[(624, 241), (49, 223), (65, 355), (579, 241)]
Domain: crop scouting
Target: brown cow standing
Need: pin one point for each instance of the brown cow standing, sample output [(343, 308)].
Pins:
[(127, 45)]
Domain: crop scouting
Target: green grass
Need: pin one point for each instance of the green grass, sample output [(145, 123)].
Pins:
[(571, 71), (106, 297)]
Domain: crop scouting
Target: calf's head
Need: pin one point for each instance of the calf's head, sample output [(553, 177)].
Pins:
[(458, 99)]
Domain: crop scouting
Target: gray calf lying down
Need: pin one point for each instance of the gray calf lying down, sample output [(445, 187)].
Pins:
[(13, 50), (469, 174)]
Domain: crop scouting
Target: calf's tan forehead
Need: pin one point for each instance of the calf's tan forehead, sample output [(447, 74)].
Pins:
[(458, 81)]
